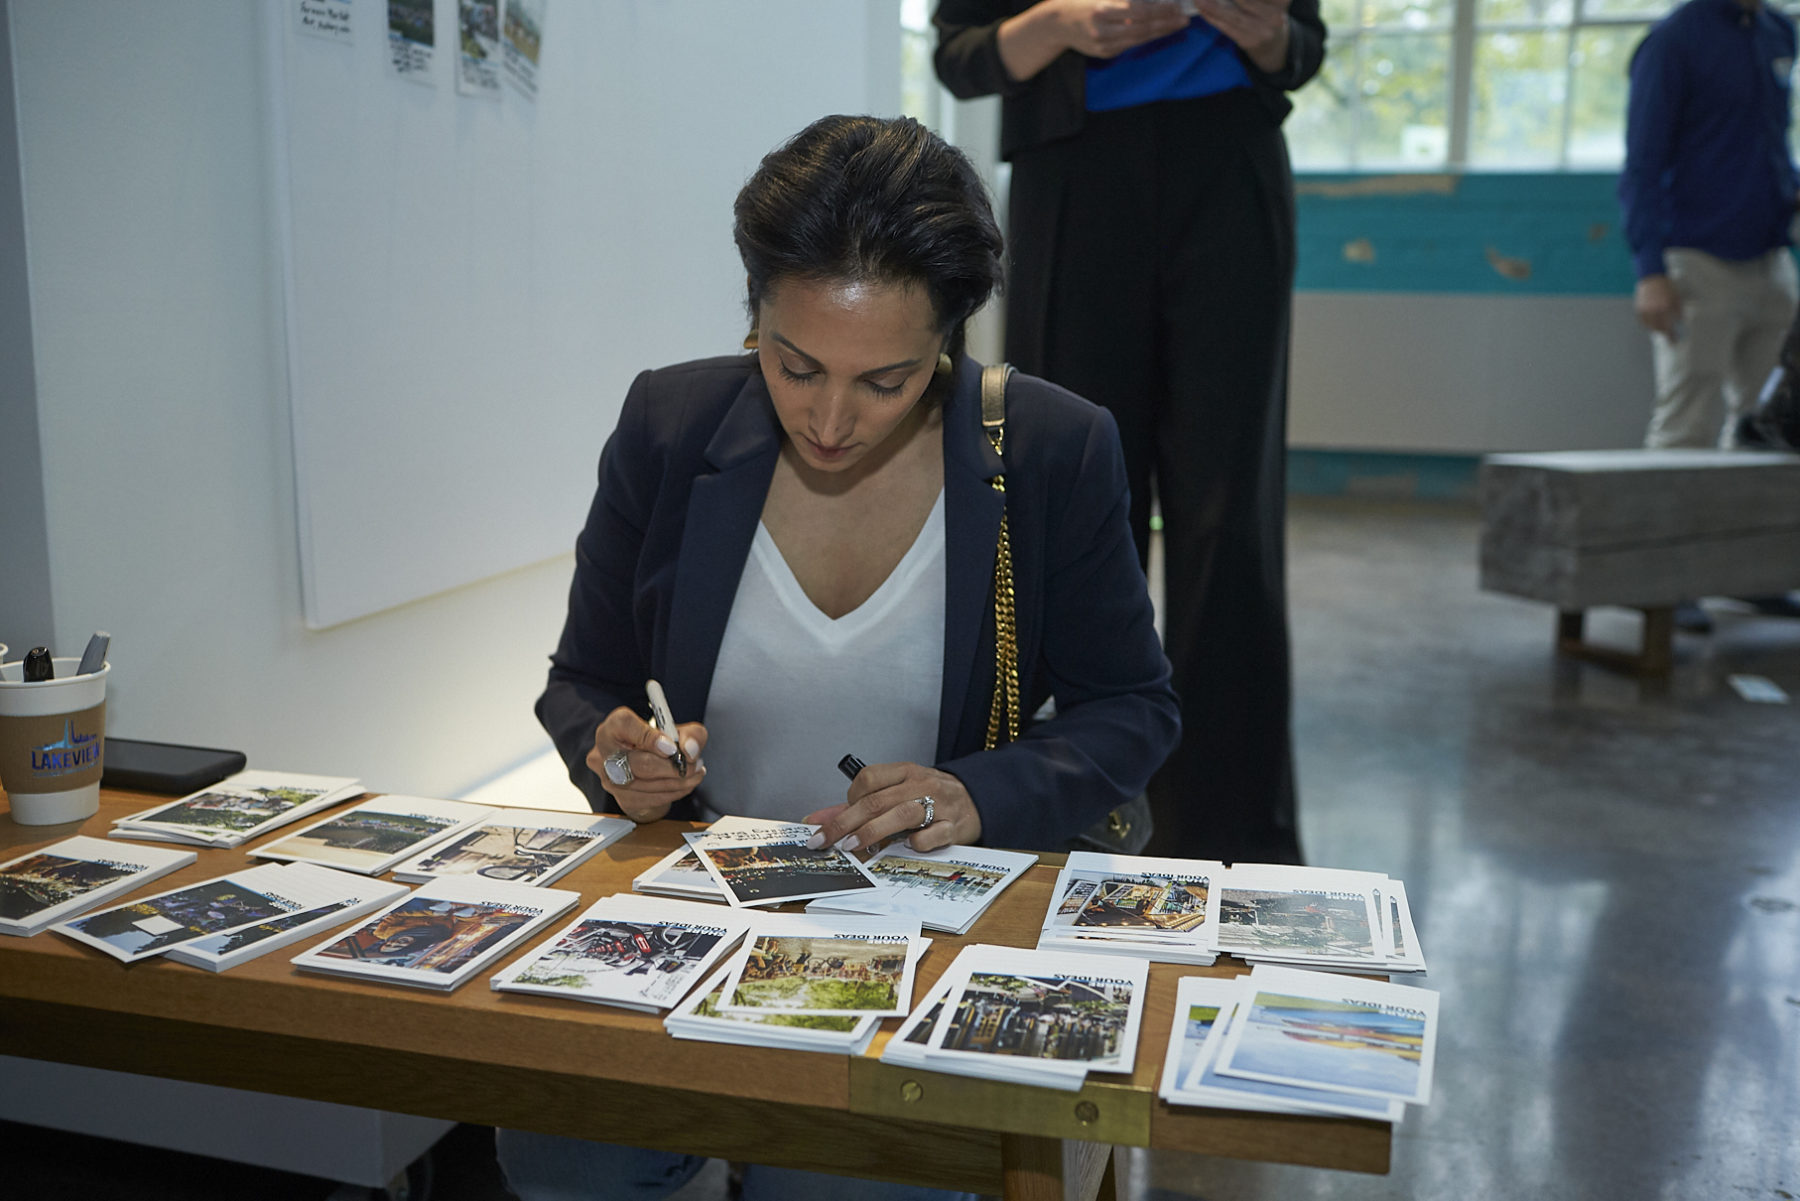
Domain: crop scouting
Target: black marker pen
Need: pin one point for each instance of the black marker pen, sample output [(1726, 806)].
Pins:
[(849, 765), (38, 667)]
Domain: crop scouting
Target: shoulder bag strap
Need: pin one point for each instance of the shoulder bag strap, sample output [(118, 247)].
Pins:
[(1003, 712)]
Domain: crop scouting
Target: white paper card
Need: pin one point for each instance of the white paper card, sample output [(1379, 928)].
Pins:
[(1324, 1030), (847, 965)]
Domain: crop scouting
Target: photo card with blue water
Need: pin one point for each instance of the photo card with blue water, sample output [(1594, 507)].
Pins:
[(1322, 1030)]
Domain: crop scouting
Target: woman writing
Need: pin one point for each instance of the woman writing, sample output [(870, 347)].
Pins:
[(800, 545)]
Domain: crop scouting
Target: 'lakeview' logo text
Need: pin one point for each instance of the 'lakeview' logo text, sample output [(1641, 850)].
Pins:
[(70, 753)]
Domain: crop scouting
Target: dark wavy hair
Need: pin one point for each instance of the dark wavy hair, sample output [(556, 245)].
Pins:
[(877, 200)]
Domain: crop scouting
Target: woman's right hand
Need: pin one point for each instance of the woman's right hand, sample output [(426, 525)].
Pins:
[(1032, 40), (655, 784)]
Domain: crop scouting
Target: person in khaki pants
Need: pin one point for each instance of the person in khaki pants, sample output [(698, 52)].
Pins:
[(1718, 326), (1709, 193)]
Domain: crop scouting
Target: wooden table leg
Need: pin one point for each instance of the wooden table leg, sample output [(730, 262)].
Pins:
[(1654, 659), (1109, 1180), (1658, 656), (1036, 1168)]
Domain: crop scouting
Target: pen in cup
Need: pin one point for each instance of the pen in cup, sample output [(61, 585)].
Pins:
[(94, 657), (38, 667)]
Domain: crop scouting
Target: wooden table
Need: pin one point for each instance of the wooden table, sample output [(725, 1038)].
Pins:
[(564, 1067)]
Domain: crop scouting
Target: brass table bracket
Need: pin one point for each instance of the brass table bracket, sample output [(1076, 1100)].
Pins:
[(1101, 1113)]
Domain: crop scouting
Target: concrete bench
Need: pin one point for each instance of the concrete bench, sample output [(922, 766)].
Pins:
[(1643, 529)]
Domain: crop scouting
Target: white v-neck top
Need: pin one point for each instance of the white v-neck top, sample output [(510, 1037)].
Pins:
[(794, 691)]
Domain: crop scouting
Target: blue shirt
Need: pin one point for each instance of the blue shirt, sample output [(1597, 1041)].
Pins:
[(1198, 61), (1706, 154)]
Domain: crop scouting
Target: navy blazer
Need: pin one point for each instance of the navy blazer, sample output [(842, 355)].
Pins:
[(683, 480)]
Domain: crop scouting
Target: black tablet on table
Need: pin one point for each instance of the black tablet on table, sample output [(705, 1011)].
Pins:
[(165, 766)]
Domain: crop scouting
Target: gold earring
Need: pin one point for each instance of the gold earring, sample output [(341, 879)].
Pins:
[(944, 365), (750, 340)]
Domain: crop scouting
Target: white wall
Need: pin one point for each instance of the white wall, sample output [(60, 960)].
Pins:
[(167, 465), (25, 618), (503, 268), (1412, 371)]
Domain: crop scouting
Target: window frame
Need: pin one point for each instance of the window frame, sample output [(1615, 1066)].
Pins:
[(1466, 30)]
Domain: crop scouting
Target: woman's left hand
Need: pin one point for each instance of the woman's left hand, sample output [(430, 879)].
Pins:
[(1259, 27), (886, 801)]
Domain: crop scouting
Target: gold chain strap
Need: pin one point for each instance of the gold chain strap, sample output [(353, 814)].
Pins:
[(1006, 647), (1005, 705)]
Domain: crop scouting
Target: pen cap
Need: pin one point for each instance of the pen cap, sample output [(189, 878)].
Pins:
[(659, 702)]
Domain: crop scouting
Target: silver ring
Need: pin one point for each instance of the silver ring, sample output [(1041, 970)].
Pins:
[(930, 811), (618, 769)]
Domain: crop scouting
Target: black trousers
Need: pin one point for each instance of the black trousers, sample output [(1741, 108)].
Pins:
[(1152, 270)]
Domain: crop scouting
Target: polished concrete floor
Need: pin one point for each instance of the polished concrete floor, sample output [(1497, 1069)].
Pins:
[(1606, 879)]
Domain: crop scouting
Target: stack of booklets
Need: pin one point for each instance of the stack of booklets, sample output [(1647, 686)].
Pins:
[(238, 808), (680, 873), (1161, 909), (1031, 1017), (633, 952), (853, 969), (74, 875), (1405, 954), (332, 899), (699, 1017), (441, 934), (519, 846), (946, 889), (143, 928), (774, 866), (1317, 917), (372, 837), (1287, 1040)]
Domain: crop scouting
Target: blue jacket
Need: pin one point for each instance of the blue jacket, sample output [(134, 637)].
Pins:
[(1706, 156), (682, 484)]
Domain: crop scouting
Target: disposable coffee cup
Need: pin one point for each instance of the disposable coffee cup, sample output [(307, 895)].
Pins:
[(52, 738)]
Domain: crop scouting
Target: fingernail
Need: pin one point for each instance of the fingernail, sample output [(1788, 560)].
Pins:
[(692, 746), (849, 842), (664, 746), (815, 842)]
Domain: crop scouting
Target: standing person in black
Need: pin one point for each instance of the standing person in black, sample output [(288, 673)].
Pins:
[(1151, 270)]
